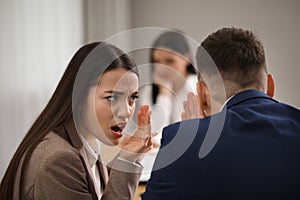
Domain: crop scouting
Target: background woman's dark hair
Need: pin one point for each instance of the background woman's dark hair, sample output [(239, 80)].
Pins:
[(88, 63), (175, 41)]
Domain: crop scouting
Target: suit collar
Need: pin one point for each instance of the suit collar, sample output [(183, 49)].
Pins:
[(245, 96)]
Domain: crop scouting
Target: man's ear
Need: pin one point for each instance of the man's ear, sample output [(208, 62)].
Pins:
[(271, 86), (204, 98)]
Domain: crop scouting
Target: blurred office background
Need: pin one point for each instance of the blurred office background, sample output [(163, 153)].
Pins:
[(38, 38)]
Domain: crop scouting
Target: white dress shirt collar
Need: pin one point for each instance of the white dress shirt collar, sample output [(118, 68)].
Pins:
[(92, 151), (226, 102)]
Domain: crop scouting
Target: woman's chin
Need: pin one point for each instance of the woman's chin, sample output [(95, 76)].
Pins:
[(112, 142), (115, 142)]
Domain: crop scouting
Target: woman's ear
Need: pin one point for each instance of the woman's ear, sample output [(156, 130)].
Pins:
[(204, 98), (270, 86)]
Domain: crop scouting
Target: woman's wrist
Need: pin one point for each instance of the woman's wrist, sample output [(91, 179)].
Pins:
[(129, 156)]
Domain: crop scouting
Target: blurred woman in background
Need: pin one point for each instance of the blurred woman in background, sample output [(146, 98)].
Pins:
[(173, 76)]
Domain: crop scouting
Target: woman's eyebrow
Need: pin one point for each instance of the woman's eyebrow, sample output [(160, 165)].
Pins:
[(115, 92)]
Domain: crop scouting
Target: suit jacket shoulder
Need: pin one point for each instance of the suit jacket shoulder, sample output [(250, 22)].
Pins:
[(254, 156)]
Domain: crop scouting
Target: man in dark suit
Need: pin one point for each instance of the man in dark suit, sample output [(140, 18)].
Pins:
[(235, 142)]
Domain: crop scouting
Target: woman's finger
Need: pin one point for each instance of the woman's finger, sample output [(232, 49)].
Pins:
[(191, 107), (194, 107), (144, 116), (183, 116), (186, 109)]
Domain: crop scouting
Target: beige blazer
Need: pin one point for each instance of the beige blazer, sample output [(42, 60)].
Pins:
[(59, 169)]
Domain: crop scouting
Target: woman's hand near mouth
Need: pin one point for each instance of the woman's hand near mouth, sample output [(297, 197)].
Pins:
[(134, 146)]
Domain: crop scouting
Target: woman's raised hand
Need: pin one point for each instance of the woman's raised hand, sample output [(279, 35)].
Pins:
[(134, 146)]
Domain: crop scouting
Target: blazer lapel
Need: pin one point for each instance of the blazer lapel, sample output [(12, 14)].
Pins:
[(90, 173), (71, 130)]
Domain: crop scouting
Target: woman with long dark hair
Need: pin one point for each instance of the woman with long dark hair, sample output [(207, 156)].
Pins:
[(60, 156)]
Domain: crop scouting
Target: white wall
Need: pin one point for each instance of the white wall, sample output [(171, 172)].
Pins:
[(276, 22), (105, 18), (38, 38)]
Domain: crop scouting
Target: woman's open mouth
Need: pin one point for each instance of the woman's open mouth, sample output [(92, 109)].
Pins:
[(117, 130)]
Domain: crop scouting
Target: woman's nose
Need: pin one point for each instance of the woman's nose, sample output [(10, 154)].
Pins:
[(123, 110)]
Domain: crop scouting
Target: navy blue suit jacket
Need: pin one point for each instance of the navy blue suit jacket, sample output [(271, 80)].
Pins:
[(256, 153)]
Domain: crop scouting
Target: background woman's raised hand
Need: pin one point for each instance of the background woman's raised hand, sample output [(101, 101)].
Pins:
[(192, 108)]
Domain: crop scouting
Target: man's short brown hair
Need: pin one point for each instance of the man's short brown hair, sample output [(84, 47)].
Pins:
[(238, 55)]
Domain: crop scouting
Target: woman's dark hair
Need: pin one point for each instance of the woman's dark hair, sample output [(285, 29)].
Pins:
[(84, 70), (173, 40)]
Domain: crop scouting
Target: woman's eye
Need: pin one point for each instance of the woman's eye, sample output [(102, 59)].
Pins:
[(133, 98), (170, 61), (112, 98)]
